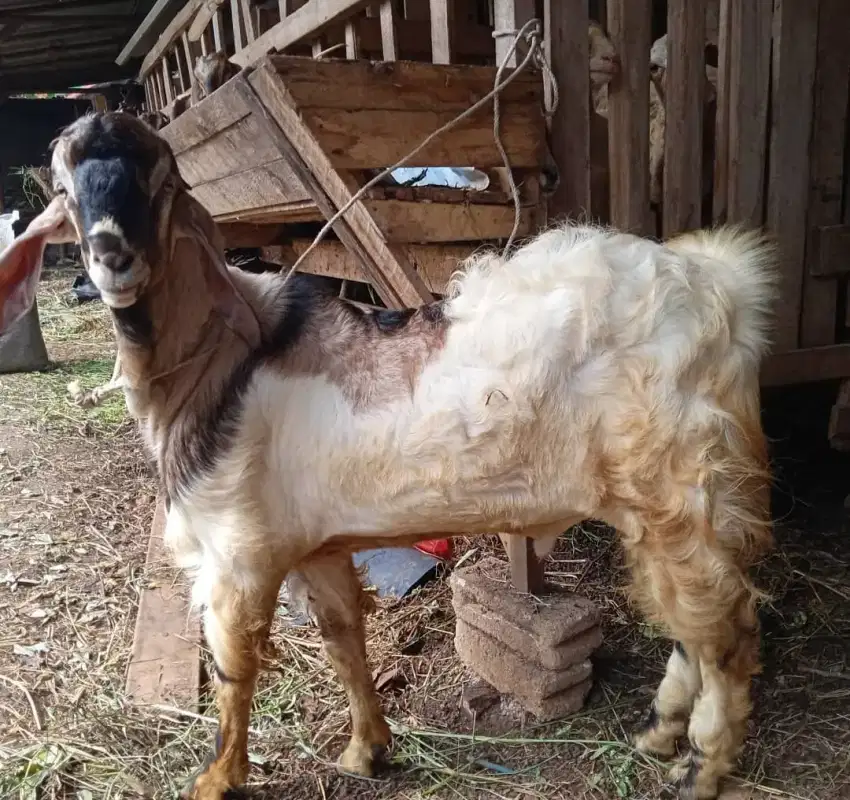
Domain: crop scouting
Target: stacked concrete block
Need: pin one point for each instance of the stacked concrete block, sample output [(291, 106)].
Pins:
[(536, 649)]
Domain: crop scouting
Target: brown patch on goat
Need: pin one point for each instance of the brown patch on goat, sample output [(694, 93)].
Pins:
[(373, 357)]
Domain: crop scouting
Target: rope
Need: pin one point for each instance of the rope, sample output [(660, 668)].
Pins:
[(531, 33)]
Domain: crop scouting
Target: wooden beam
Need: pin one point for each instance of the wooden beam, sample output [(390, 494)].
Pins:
[(190, 54), (830, 256), (792, 97), (442, 29), (218, 37), (143, 36), (807, 365), (628, 115), (434, 263), (684, 105), (306, 22), (178, 24), (565, 24), (389, 270), (820, 297)]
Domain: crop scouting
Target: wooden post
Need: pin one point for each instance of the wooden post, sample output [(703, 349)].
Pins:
[(684, 103), (511, 15), (628, 115), (352, 41), (442, 29), (218, 41), (820, 296), (720, 198), (238, 39), (148, 94), (389, 39), (190, 55), (565, 23), (526, 568), (749, 89), (792, 94), (166, 80), (248, 21)]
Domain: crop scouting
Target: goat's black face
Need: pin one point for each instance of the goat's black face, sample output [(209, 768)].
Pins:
[(110, 167)]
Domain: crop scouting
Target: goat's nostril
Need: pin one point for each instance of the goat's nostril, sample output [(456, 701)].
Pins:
[(104, 243), (117, 261)]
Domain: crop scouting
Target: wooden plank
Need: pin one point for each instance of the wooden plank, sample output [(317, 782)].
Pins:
[(201, 122), (389, 271), (166, 80), (830, 253), (820, 296), (403, 221), (807, 365), (434, 263), (400, 86), (237, 148), (720, 198), (182, 72), (248, 21), (749, 90), (182, 20), (273, 183), (792, 93), (305, 23), (565, 23), (473, 43), (165, 662), (275, 214), (238, 38), (389, 35), (628, 115), (372, 139), (442, 25), (160, 89), (684, 105), (526, 569)]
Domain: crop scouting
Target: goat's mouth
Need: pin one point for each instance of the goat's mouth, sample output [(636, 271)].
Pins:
[(120, 289)]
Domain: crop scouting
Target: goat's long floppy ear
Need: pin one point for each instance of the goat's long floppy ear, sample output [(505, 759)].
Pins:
[(20, 262)]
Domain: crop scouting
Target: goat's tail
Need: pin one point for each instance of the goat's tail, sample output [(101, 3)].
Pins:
[(742, 265)]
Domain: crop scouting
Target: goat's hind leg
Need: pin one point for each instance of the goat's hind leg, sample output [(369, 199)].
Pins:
[(337, 601), (708, 605), (236, 624)]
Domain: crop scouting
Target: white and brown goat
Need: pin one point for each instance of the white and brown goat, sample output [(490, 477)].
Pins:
[(591, 374)]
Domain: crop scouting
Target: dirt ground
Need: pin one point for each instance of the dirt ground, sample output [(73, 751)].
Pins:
[(76, 502)]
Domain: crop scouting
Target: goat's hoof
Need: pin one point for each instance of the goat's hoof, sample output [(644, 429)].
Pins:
[(650, 738), (210, 784), (692, 780), (362, 758)]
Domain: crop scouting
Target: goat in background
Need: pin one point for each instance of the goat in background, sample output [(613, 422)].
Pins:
[(591, 374)]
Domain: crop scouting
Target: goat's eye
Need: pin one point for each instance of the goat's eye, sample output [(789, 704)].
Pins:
[(60, 189)]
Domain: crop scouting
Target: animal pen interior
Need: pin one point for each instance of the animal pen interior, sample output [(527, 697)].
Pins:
[(743, 119)]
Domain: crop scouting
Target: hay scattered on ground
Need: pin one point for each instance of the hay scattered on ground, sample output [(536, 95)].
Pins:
[(76, 501)]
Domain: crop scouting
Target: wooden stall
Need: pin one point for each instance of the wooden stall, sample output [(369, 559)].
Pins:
[(745, 120)]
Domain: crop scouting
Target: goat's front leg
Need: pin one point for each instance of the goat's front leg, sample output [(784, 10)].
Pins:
[(97, 395), (336, 600), (236, 626)]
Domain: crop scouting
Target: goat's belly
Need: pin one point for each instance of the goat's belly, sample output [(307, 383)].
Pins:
[(410, 469)]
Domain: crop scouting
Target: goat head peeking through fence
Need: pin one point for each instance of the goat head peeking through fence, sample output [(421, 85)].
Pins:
[(589, 374)]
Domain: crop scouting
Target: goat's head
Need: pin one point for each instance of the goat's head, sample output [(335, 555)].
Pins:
[(111, 171)]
